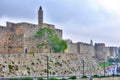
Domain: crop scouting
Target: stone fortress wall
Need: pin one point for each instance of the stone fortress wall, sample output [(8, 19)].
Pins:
[(11, 39), (19, 65), (99, 50), (16, 37)]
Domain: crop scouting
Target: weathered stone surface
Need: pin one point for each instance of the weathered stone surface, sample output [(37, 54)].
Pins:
[(11, 39), (35, 65)]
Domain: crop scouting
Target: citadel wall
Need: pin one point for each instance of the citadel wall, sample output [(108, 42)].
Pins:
[(107, 51), (20, 65), (11, 39), (100, 51), (80, 47), (113, 51), (29, 40), (72, 47), (86, 48), (51, 26), (20, 36)]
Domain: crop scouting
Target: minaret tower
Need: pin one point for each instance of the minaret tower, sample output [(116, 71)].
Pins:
[(40, 17), (91, 42)]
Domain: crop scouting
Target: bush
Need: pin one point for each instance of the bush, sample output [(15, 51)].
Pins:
[(117, 75), (84, 76), (31, 52), (13, 79), (27, 79), (72, 77), (53, 79), (40, 79), (95, 76), (63, 79)]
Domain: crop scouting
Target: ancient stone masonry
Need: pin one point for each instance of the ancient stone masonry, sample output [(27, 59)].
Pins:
[(11, 39), (40, 17), (113, 51), (16, 65), (16, 37), (98, 51)]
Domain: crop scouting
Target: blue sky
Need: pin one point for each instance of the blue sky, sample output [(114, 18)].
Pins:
[(81, 20)]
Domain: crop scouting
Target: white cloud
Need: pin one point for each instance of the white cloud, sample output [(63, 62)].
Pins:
[(112, 6)]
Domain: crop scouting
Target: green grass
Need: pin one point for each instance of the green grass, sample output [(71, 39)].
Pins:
[(106, 64)]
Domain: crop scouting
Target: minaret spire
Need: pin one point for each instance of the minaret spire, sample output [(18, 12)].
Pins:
[(91, 42), (40, 17)]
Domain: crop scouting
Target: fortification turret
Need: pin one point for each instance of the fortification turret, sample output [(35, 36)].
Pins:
[(100, 51)]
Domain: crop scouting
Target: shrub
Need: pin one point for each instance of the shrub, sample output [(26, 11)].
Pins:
[(27, 79), (95, 76), (32, 63), (72, 77), (31, 52), (84, 76), (53, 79), (13, 79), (63, 79), (40, 78), (10, 66), (45, 70)]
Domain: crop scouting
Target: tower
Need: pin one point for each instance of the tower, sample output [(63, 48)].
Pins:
[(91, 42), (40, 17)]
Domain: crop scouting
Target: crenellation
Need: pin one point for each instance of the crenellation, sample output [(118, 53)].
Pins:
[(51, 26), (10, 24), (59, 33), (72, 48), (86, 48)]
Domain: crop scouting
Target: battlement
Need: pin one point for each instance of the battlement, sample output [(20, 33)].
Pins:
[(51, 26), (87, 44), (99, 44), (3, 28), (10, 24), (25, 23)]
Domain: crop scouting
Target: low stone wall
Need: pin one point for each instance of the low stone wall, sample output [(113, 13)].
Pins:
[(15, 65)]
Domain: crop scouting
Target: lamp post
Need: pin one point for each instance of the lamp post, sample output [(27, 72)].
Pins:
[(47, 57), (116, 66), (104, 62), (83, 67), (104, 67)]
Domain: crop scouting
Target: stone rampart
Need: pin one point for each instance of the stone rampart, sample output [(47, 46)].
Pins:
[(113, 51), (86, 48), (16, 65), (72, 47), (11, 39)]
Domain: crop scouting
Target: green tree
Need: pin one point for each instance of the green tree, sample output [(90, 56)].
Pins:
[(50, 40)]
